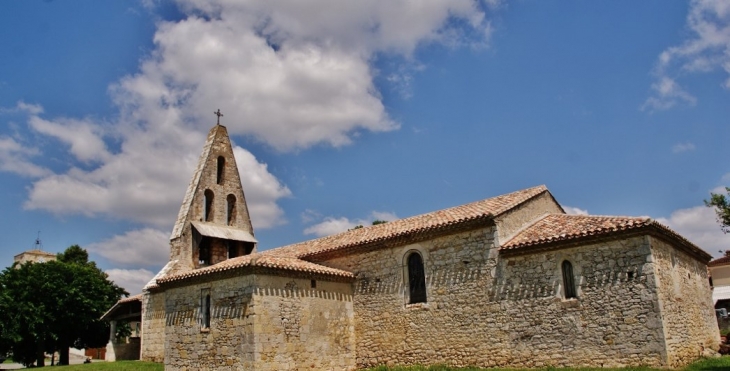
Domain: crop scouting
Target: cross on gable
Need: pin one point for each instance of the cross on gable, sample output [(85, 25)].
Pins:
[(219, 114)]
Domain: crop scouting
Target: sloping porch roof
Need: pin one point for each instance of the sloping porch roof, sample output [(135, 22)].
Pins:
[(125, 309)]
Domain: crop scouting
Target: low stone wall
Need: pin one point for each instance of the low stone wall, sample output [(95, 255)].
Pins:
[(129, 351)]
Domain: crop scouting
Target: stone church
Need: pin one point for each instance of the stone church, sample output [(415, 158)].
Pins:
[(507, 281)]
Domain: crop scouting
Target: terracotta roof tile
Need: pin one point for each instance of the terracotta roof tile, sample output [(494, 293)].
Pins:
[(725, 260), (261, 260), (137, 297), (290, 257), (562, 227), (490, 207)]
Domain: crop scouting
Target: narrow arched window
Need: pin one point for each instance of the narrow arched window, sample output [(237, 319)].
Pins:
[(205, 309), (568, 280), (416, 279), (208, 212), (221, 168), (231, 214)]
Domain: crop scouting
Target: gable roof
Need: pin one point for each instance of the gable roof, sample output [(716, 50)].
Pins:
[(292, 257), (135, 301), (725, 260), (415, 225), (193, 186), (260, 260), (552, 229)]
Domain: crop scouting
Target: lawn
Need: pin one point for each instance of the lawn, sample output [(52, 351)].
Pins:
[(710, 364), (113, 366)]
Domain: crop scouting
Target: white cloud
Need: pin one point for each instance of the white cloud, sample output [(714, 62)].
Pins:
[(574, 210), (683, 147), (16, 158), (132, 280), (83, 137), (143, 247), (331, 225), (708, 49), (291, 74), (699, 225)]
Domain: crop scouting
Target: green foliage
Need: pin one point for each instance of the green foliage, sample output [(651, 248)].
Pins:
[(55, 305), (377, 221), (721, 203), (74, 254)]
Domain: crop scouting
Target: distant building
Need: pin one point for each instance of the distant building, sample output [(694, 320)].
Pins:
[(35, 256)]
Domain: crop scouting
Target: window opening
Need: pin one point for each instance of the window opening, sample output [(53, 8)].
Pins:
[(204, 252), (416, 279), (221, 167), (232, 249), (208, 195), (313, 284), (231, 213), (205, 309), (568, 280)]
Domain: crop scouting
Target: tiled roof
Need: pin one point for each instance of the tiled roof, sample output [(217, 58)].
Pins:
[(121, 301), (137, 297), (433, 221), (290, 257), (562, 227), (37, 252), (725, 260), (261, 260)]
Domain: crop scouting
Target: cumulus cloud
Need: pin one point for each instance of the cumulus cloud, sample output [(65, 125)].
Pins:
[(574, 210), (332, 225), (132, 280), (683, 147), (17, 157), (143, 247), (292, 75), (706, 50), (83, 137), (699, 225)]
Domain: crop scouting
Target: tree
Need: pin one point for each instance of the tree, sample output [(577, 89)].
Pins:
[(721, 203), (57, 305)]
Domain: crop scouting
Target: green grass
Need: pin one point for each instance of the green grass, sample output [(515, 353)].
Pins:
[(113, 366), (708, 364)]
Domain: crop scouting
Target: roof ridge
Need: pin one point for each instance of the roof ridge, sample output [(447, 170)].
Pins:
[(455, 215), (194, 182)]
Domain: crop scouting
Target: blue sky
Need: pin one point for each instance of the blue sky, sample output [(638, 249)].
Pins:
[(344, 113)]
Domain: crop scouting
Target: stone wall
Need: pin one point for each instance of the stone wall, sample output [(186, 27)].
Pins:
[(613, 322), (153, 327), (228, 344), (299, 327), (685, 297), (487, 310), (128, 351), (513, 221), (260, 322), (447, 329)]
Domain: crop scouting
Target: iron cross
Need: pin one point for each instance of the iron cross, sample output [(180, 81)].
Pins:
[(219, 114)]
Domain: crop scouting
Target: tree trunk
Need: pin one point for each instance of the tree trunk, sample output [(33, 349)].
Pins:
[(63, 354), (40, 357)]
